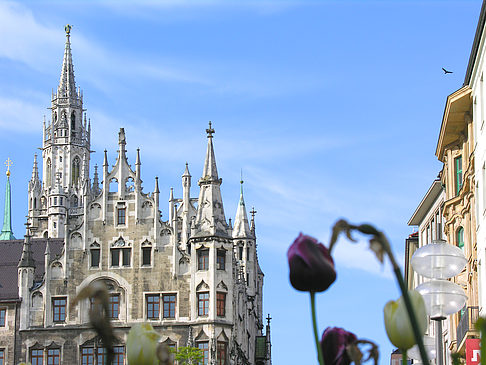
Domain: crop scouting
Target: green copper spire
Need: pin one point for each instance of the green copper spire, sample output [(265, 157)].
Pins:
[(7, 233)]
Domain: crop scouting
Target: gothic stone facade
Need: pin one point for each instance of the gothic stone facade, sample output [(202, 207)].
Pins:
[(195, 278)]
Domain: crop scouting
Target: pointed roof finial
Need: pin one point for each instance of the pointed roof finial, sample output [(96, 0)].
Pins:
[(210, 131), (67, 85), (156, 190), (268, 319), (186, 171), (8, 163), (253, 212)]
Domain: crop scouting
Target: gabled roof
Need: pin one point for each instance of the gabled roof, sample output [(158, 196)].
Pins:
[(427, 201), (453, 122), (10, 253)]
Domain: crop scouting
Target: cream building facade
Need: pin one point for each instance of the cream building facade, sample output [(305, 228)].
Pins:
[(194, 277)]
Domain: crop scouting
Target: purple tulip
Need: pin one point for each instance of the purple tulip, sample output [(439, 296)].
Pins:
[(334, 344), (311, 265)]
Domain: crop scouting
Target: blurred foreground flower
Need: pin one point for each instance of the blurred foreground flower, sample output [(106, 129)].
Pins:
[(144, 348), (397, 322), (334, 344), (98, 295), (142, 344), (340, 347), (311, 265)]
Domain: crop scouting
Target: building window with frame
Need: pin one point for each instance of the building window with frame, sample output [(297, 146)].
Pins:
[(95, 255), (2, 356), (240, 254), (126, 254), (146, 254), (153, 306), (3, 317), (202, 304), (121, 216), (204, 347), (119, 358), (59, 309), (53, 356), (221, 353), (221, 260), (37, 356), (169, 301), (115, 257), (458, 174), (203, 259), (101, 355), (114, 306), (220, 304), (460, 238), (87, 356)]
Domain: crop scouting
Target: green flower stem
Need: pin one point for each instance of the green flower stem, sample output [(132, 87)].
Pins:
[(314, 325), (404, 357), (483, 344), (406, 298)]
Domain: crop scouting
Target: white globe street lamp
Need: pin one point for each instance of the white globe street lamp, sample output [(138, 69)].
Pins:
[(440, 261)]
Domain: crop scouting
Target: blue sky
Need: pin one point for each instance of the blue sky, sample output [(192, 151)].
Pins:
[(331, 109)]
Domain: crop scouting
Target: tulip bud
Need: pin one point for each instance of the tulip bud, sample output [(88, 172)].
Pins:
[(335, 343), (397, 322), (142, 344), (311, 265)]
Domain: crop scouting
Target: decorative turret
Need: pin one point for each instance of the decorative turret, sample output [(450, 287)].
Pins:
[(7, 233), (138, 176), (27, 259), (252, 223), (241, 227), (96, 182), (210, 219)]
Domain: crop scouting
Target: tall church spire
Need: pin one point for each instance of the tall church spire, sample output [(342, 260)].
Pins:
[(210, 219), (7, 233), (241, 227), (67, 85)]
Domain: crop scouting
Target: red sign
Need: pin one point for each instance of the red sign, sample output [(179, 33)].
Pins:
[(473, 352)]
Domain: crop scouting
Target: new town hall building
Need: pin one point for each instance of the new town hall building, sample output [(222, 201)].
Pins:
[(194, 277)]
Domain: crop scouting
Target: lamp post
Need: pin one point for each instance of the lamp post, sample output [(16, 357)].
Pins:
[(440, 261), (429, 345)]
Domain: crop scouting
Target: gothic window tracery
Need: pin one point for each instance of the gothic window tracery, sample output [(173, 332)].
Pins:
[(49, 172), (73, 121), (75, 170)]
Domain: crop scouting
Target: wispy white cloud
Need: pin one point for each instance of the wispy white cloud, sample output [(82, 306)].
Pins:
[(20, 115)]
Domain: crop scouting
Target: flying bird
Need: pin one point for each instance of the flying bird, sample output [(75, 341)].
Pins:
[(446, 71)]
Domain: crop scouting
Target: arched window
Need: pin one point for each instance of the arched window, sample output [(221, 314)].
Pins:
[(75, 171), (460, 238), (95, 254), (49, 172), (146, 253), (55, 117), (74, 201), (73, 121)]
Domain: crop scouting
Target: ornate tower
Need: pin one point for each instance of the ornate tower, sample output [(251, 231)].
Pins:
[(65, 157)]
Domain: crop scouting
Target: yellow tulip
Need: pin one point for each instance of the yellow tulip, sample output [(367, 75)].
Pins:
[(397, 323), (142, 344)]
